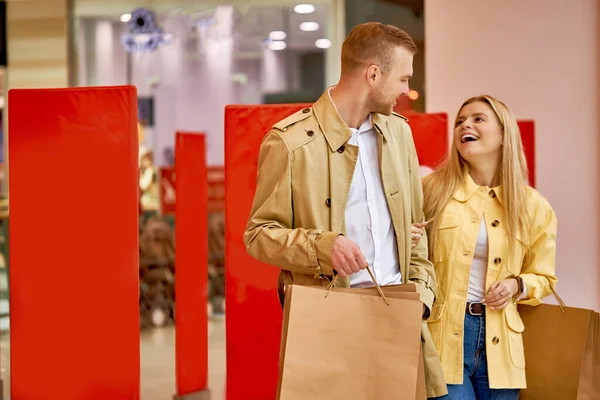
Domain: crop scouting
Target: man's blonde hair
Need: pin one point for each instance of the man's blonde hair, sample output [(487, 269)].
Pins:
[(374, 43)]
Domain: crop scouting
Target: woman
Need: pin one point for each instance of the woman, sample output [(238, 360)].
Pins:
[(492, 240)]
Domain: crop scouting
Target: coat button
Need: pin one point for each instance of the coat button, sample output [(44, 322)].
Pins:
[(306, 110), (341, 149), (328, 202), (495, 223), (495, 340), (492, 194), (497, 260), (310, 133)]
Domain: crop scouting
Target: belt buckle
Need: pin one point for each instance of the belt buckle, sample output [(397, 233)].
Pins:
[(473, 313)]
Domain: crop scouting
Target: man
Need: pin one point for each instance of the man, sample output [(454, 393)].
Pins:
[(339, 185)]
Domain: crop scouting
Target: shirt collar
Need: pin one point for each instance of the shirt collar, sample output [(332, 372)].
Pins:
[(469, 188), (335, 129)]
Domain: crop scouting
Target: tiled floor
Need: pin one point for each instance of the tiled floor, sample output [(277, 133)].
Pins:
[(157, 362)]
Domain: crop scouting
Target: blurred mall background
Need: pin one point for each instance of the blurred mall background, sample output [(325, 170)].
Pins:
[(541, 57)]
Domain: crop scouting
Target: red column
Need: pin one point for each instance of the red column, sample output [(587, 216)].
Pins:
[(74, 287), (191, 264), (527, 129), (253, 309)]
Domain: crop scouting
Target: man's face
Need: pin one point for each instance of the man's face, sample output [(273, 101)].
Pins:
[(389, 85)]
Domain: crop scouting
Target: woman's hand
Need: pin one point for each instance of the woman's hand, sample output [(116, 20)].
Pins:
[(417, 231), (501, 293)]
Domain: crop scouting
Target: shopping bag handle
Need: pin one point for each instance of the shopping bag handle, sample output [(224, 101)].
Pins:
[(561, 303), (374, 281)]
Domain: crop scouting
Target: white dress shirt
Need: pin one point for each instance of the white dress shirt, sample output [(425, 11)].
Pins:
[(368, 219)]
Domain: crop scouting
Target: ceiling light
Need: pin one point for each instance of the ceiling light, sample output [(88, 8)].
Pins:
[(277, 35), (304, 9), (277, 45), (309, 26), (125, 17), (323, 43)]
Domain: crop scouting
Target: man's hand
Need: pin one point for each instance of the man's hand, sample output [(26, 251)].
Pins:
[(501, 293), (346, 257), (417, 231)]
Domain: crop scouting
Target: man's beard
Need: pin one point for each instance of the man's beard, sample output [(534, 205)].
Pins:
[(377, 105)]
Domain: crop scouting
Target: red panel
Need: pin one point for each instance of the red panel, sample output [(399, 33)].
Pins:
[(216, 189), (430, 133), (74, 287), (527, 129), (167, 190), (191, 263), (253, 309)]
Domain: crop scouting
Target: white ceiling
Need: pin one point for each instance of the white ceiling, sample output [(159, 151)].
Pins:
[(102, 8), (253, 22)]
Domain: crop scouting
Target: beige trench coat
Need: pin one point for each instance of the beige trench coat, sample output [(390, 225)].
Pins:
[(305, 169)]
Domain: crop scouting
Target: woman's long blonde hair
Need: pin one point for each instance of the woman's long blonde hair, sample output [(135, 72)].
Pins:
[(440, 186)]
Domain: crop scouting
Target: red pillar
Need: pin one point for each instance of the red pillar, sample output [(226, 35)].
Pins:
[(191, 264), (253, 309), (74, 279), (527, 128)]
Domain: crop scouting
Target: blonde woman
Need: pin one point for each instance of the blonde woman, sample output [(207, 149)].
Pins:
[(492, 240)]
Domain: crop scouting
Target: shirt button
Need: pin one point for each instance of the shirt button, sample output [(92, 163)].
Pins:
[(456, 334), (466, 254), (328, 202), (497, 260), (495, 340), (306, 110), (310, 133), (495, 223), (341, 149), (492, 194)]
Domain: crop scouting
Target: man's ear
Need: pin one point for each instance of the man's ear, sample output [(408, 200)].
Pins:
[(373, 73)]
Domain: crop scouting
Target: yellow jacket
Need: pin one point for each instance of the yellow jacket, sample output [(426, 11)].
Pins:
[(532, 259)]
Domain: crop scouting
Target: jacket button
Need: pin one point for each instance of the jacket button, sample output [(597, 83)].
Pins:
[(341, 149), (495, 340), (310, 133), (328, 202), (497, 260), (492, 194), (306, 110), (495, 223)]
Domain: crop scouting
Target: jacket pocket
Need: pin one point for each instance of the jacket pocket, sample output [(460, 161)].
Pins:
[(446, 236), (434, 323), (515, 337)]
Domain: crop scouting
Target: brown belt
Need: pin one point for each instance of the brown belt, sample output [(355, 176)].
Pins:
[(475, 309)]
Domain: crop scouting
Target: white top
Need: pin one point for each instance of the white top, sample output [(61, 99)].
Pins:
[(479, 267), (368, 219)]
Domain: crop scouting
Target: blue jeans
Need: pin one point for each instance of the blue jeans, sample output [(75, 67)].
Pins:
[(475, 384)]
